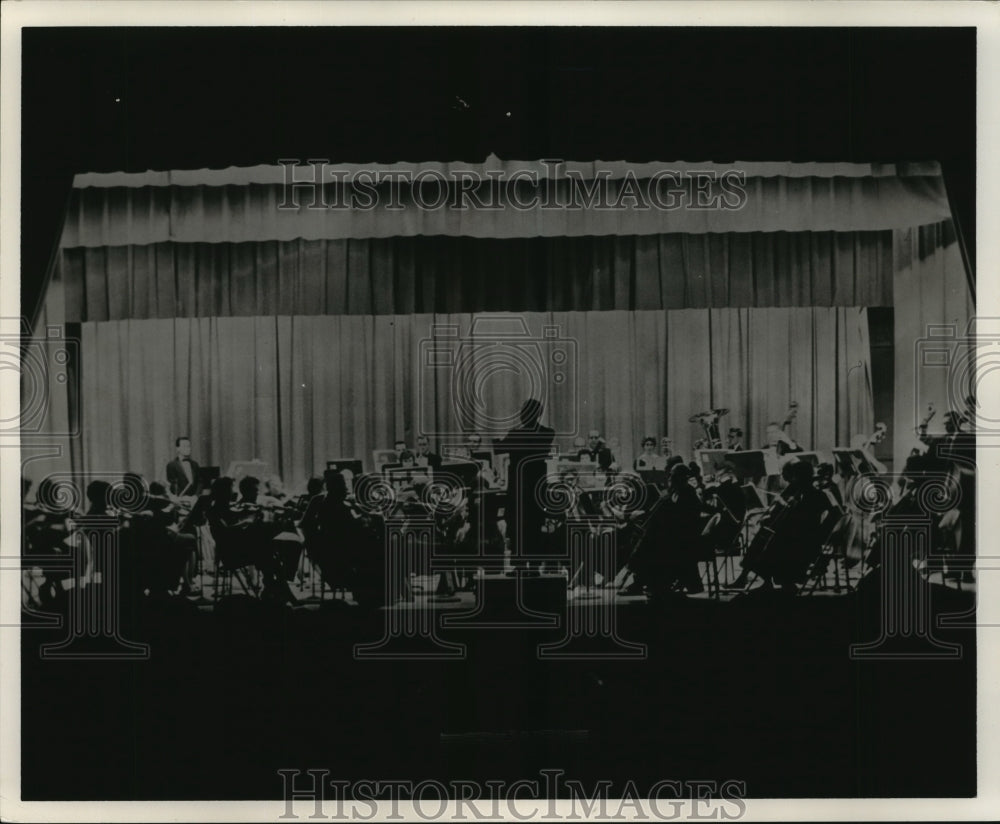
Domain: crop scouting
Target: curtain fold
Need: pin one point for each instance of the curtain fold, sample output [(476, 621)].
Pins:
[(454, 274), (934, 344), (695, 201), (298, 391)]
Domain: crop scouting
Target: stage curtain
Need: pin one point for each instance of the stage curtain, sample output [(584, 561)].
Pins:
[(298, 391), (193, 206), (455, 274), (934, 343)]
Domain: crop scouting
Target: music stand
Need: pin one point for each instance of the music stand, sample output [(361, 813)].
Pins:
[(380, 457), (748, 465), (206, 476), (711, 460), (409, 475), (813, 458), (467, 472), (752, 498), (350, 468)]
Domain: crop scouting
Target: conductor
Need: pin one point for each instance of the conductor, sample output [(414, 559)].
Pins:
[(528, 446)]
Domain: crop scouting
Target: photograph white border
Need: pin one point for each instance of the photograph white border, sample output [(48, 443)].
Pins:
[(984, 16)]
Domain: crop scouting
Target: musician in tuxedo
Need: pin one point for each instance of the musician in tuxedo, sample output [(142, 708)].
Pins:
[(595, 448), (528, 446), (424, 456), (734, 439), (182, 471)]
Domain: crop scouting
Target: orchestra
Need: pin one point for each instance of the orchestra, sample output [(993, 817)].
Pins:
[(692, 512)]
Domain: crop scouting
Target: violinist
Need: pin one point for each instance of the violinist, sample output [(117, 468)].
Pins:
[(243, 537)]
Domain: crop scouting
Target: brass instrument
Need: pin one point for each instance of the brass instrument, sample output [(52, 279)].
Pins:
[(709, 421)]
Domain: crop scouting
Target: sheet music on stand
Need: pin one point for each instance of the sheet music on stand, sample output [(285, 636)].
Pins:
[(256, 469)]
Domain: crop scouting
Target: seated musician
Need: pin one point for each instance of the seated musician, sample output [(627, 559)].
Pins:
[(779, 441), (667, 556), (648, 460), (825, 484), (734, 439), (595, 446), (156, 557), (790, 537), (274, 491), (953, 456), (242, 537), (338, 540), (47, 533), (424, 457), (666, 447), (725, 499)]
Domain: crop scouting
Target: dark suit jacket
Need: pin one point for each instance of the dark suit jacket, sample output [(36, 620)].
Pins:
[(178, 480), (527, 448), (433, 460)]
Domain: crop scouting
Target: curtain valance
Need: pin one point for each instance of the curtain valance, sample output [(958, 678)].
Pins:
[(449, 274), (515, 201)]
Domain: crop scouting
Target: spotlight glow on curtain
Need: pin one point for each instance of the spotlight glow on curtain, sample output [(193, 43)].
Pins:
[(297, 391)]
